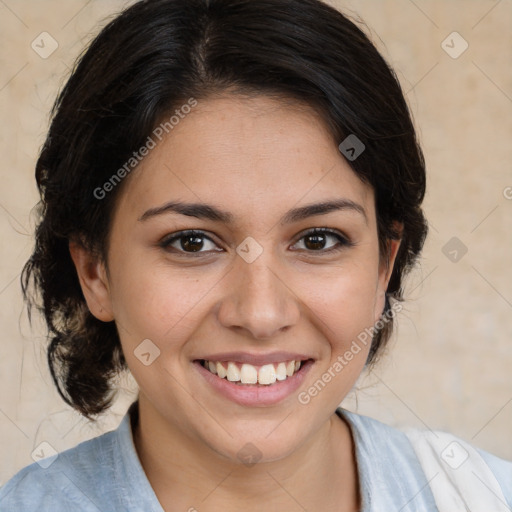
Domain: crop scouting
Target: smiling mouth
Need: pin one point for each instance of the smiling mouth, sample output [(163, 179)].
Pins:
[(245, 374)]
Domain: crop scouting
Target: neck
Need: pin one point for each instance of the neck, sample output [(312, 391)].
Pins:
[(320, 475)]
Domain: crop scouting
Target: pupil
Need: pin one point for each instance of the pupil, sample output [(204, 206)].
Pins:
[(192, 242), (315, 241)]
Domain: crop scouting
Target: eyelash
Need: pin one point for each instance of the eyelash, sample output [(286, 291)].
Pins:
[(344, 242)]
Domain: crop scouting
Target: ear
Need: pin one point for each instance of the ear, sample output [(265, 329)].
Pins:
[(386, 266), (93, 281)]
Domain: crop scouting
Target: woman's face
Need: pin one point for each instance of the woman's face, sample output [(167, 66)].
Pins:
[(253, 286)]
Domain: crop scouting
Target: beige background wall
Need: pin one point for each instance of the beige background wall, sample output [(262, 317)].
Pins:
[(449, 366)]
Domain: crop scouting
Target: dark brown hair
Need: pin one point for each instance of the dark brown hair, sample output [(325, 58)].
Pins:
[(143, 65)]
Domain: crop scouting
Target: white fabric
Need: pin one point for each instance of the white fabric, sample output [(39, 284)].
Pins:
[(458, 476)]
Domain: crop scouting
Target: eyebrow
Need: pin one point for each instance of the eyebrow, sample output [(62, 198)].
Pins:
[(210, 212)]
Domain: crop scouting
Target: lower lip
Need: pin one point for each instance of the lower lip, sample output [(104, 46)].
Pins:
[(254, 395)]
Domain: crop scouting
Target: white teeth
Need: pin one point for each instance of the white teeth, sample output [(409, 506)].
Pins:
[(221, 371), (267, 374), (233, 372), (281, 371), (248, 374)]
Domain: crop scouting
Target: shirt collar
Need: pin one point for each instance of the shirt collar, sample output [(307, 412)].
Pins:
[(390, 476)]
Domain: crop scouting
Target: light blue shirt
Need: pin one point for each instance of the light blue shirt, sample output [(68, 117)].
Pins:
[(105, 475)]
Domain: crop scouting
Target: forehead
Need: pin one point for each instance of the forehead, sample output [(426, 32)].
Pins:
[(249, 155)]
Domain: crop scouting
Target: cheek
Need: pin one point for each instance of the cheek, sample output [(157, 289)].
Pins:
[(151, 301), (345, 309), (345, 303), (342, 309), (165, 308)]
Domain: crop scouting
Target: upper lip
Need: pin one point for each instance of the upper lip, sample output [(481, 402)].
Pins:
[(256, 359)]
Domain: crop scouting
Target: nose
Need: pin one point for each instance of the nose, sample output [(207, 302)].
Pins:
[(258, 300)]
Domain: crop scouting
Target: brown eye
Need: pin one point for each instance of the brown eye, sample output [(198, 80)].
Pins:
[(316, 241), (189, 242), (192, 243), (323, 240)]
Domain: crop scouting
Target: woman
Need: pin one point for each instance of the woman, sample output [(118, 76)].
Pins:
[(231, 198)]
